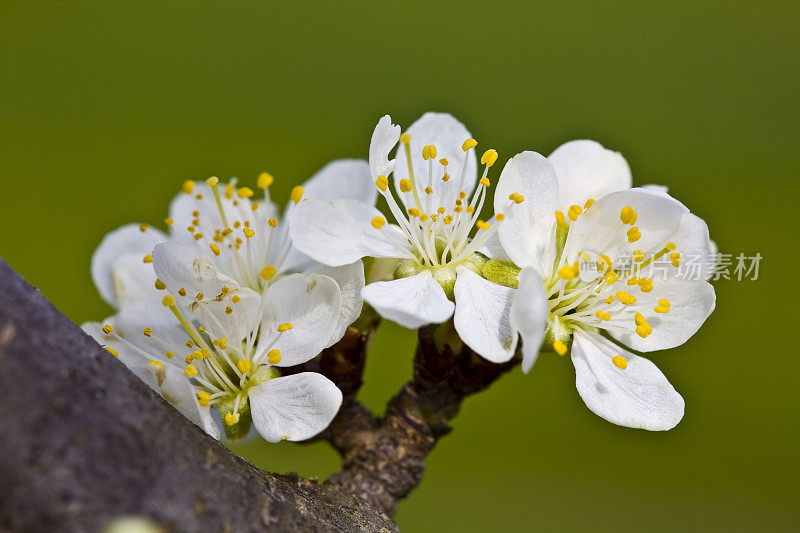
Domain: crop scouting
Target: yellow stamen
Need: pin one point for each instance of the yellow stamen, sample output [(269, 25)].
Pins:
[(297, 194), (468, 144), (560, 347), (268, 272), (284, 327), (188, 186), (634, 234), (214, 248), (203, 398), (482, 225), (231, 418), (248, 232), (560, 222), (168, 221), (168, 301), (589, 203), (378, 222), (663, 302), (661, 309), (190, 371), (620, 362), (489, 157), (428, 152), (574, 211), (405, 138), (382, 183), (148, 258), (147, 332), (160, 285), (568, 272), (245, 192), (405, 185), (107, 329), (235, 299), (112, 351), (264, 180), (244, 366), (274, 357)]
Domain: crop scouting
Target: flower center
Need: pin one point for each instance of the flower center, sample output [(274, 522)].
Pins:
[(594, 292), (440, 235)]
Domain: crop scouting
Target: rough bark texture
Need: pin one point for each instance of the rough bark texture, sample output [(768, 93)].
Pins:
[(84, 441)]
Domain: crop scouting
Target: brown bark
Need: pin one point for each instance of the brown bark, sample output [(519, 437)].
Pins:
[(84, 441)]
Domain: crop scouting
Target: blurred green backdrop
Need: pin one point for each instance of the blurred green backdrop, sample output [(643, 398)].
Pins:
[(105, 107)]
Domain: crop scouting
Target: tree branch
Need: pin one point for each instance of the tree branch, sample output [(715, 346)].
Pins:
[(383, 461), (84, 441)]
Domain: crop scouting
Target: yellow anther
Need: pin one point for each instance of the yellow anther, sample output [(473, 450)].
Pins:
[(148, 258), (142, 227), (112, 351), (605, 262), (620, 362), (489, 157), (560, 347), (203, 398), (160, 285), (610, 277), (229, 188), (107, 329), (670, 246), (444, 162), (646, 288), (589, 203), (485, 182), (212, 181), (441, 210), (626, 298), (224, 290), (470, 209), (603, 316), (284, 327), (274, 356), (405, 185), (264, 180), (639, 319), (458, 209), (661, 309), (228, 310), (634, 234), (200, 296), (169, 354), (428, 152), (643, 330), (675, 259), (645, 281), (198, 236), (147, 332), (446, 177), (500, 217), (235, 299), (297, 194), (447, 220), (560, 222), (254, 206), (272, 223), (574, 212), (378, 222), (638, 256), (190, 371), (382, 182), (468, 144), (168, 221), (628, 215), (423, 217), (231, 418), (414, 212), (168, 301), (248, 232), (245, 192), (516, 197), (188, 186), (663, 302), (214, 248), (405, 138), (633, 281), (268, 272), (244, 366), (428, 190), (482, 225), (199, 196), (568, 272), (153, 362), (610, 299), (201, 329), (462, 195), (220, 343), (190, 229), (182, 291)]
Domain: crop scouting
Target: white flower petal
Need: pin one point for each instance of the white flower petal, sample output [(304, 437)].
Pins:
[(447, 134), (527, 231), (350, 279), (295, 407), (339, 232), (482, 316), (638, 396), (118, 269), (529, 312), (182, 265), (691, 303), (600, 230), (384, 138), (412, 302), (343, 178), (310, 302), (587, 170)]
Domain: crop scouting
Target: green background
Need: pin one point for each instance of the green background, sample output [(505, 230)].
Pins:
[(106, 107)]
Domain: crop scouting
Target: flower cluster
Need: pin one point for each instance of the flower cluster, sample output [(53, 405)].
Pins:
[(209, 313)]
